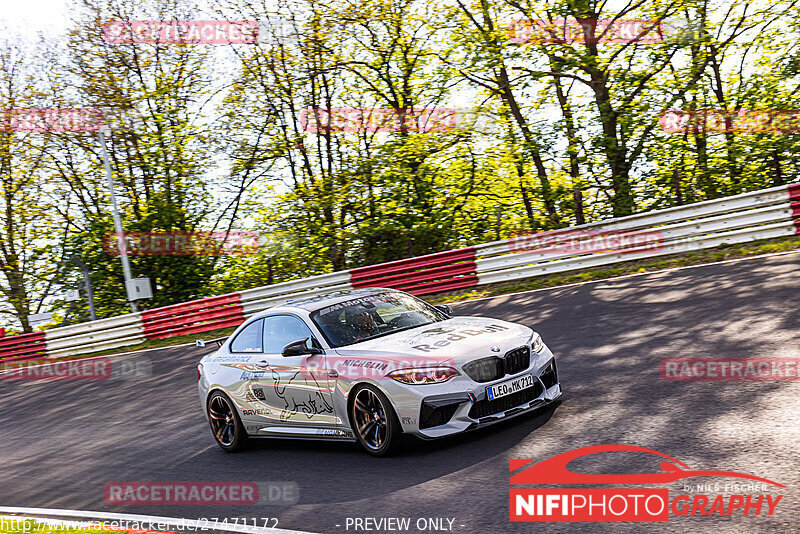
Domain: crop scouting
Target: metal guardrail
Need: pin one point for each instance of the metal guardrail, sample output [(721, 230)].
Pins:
[(193, 317), (764, 214), (433, 273), (529, 269), (103, 334), (22, 347), (260, 298), (747, 217)]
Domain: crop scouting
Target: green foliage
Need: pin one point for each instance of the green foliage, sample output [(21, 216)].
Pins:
[(547, 134)]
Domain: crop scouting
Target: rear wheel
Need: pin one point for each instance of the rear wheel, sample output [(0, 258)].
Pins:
[(374, 421), (225, 423)]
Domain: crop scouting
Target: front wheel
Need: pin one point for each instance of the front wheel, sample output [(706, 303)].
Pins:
[(374, 422), (225, 423)]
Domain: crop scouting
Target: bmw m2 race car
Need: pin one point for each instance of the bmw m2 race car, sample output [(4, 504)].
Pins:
[(370, 365)]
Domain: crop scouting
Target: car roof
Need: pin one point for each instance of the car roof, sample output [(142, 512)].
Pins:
[(334, 297)]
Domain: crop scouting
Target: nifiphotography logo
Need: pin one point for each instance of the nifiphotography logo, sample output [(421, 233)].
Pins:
[(630, 503)]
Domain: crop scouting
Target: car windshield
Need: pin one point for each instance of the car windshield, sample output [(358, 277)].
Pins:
[(373, 316)]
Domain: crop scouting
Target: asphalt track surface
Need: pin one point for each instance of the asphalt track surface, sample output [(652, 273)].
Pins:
[(63, 441)]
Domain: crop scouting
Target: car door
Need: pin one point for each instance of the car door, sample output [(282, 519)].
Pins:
[(295, 389), (247, 358)]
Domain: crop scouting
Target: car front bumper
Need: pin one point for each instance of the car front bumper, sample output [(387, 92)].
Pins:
[(461, 404)]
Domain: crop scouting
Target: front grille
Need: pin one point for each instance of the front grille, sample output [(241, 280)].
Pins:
[(487, 407), (518, 360), (494, 367), (431, 416), (485, 369)]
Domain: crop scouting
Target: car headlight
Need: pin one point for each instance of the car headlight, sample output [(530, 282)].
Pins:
[(424, 375), (536, 343)]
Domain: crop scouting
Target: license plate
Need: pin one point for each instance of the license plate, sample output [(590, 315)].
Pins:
[(509, 386)]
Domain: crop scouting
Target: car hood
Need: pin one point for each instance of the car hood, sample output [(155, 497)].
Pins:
[(458, 339)]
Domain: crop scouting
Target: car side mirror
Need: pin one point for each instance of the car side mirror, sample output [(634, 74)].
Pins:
[(300, 348), (202, 342), (445, 309)]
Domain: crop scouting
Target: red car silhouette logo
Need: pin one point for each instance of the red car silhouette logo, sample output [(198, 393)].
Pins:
[(554, 470)]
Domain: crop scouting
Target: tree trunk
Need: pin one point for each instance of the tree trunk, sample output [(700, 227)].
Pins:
[(616, 152), (676, 183), (777, 173)]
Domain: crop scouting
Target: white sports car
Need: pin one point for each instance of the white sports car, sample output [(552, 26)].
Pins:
[(370, 365)]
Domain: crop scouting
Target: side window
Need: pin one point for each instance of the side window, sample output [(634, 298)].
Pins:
[(280, 330), (249, 339)]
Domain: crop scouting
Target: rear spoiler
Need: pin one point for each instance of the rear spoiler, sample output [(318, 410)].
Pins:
[(219, 341)]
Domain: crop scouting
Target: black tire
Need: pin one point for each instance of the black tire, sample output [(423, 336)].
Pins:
[(374, 421), (227, 428)]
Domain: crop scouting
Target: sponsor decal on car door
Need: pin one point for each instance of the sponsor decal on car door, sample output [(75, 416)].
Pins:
[(294, 388)]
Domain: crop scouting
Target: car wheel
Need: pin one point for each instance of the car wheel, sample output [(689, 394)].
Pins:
[(225, 423), (374, 421)]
